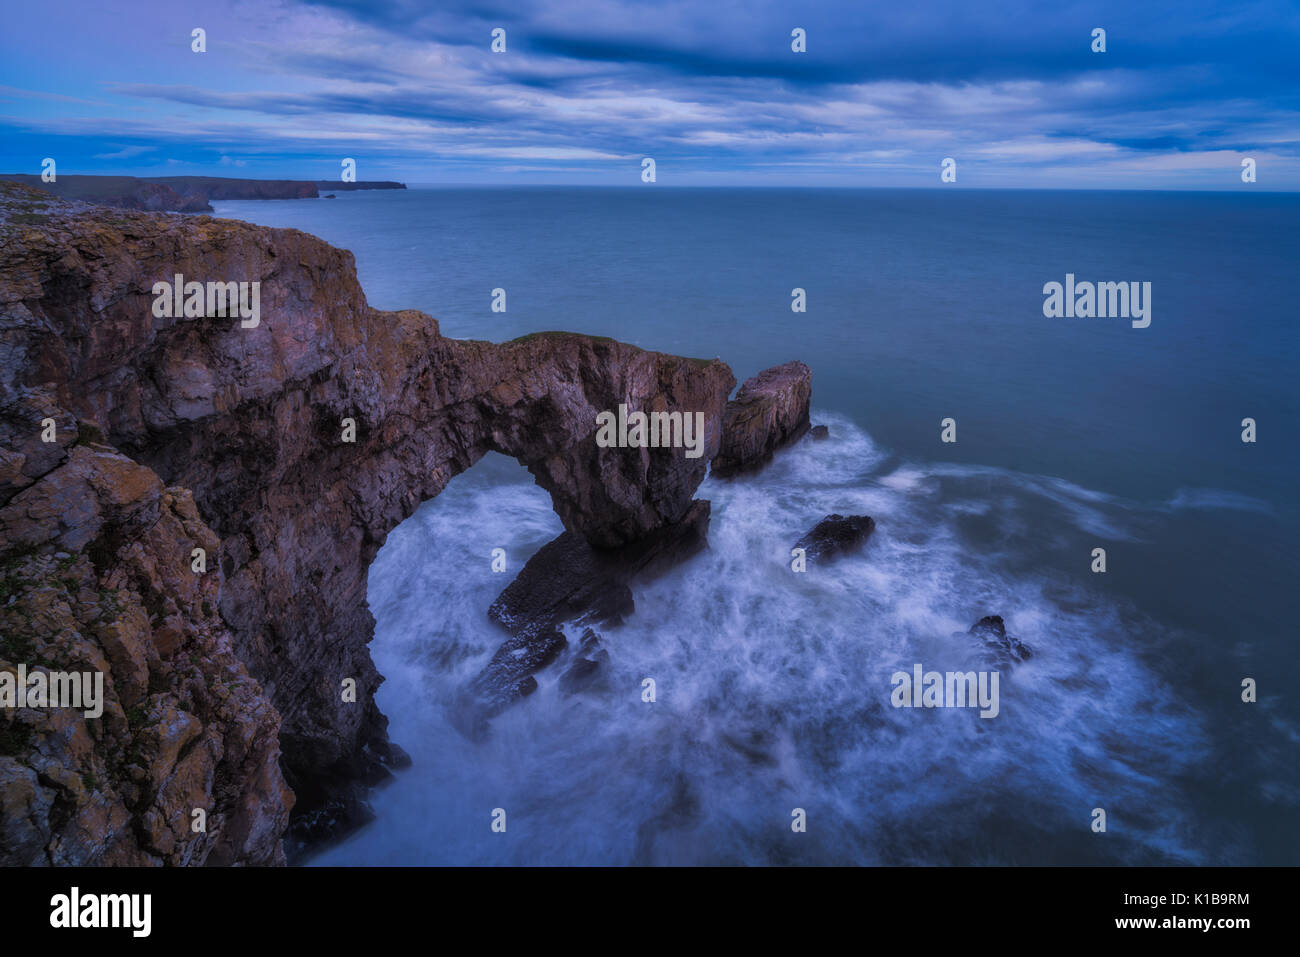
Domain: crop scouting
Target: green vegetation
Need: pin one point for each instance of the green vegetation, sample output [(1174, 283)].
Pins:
[(556, 334), (108, 603)]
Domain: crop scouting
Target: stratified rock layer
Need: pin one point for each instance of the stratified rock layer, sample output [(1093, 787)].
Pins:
[(770, 411), (568, 580), (250, 423)]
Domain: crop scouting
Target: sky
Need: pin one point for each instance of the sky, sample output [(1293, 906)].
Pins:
[(711, 90)]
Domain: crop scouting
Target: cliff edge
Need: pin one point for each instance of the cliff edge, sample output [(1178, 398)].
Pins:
[(284, 451)]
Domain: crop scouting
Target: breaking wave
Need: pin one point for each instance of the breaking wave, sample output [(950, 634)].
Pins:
[(773, 688)]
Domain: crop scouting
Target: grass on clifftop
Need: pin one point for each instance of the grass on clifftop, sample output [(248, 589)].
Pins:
[(557, 334)]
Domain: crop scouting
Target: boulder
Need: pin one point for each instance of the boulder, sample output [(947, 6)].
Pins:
[(1006, 649), (836, 535)]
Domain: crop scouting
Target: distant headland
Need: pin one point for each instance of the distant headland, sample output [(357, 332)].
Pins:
[(184, 194)]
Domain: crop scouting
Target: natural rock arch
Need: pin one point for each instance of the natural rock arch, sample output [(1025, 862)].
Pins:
[(250, 422)]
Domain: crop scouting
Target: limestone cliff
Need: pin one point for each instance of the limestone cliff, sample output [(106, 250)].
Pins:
[(195, 432), (185, 194)]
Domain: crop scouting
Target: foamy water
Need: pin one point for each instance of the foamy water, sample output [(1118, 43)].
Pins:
[(773, 688)]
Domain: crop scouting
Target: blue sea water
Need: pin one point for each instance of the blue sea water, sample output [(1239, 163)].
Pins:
[(774, 688)]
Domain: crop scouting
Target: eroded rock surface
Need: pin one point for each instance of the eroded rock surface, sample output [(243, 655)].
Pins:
[(96, 577), (569, 581), (172, 431), (1006, 650), (836, 535), (769, 412)]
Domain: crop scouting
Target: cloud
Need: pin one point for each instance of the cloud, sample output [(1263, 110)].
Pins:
[(588, 84), (126, 152)]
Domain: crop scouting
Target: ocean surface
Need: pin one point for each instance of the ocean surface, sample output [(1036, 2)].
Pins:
[(773, 689)]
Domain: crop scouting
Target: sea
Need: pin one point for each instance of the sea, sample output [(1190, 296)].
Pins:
[(1157, 720)]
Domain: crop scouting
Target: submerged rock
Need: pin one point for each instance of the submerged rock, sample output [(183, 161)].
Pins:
[(585, 673), (1007, 649), (836, 535), (769, 412), (569, 581)]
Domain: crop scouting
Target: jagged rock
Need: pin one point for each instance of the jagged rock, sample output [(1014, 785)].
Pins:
[(585, 673), (568, 580), (770, 411), (820, 432), (245, 425), (94, 574), (836, 535), (1007, 649), (588, 670)]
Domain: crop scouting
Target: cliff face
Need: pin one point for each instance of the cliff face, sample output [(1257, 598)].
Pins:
[(185, 194), (177, 431), (769, 412)]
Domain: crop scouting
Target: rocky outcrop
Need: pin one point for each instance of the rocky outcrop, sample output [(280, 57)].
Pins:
[(300, 442), (96, 577), (1006, 650), (570, 581), (342, 187), (185, 194), (122, 192), (587, 671), (835, 535), (769, 412)]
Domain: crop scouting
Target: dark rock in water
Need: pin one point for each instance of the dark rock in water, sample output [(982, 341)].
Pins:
[(588, 671), (1006, 648), (330, 196), (836, 535), (330, 820), (568, 580), (584, 673), (770, 411), (509, 675), (393, 755), (589, 640), (821, 432)]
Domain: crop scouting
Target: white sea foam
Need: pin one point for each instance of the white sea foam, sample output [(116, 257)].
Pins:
[(773, 687)]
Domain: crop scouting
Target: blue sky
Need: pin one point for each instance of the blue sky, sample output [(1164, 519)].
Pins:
[(711, 89)]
